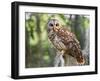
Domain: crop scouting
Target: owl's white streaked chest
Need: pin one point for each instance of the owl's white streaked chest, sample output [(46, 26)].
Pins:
[(56, 41)]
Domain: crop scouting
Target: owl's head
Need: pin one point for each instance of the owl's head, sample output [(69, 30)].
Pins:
[(53, 24)]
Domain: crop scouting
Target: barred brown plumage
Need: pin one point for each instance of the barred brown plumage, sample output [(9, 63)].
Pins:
[(64, 40)]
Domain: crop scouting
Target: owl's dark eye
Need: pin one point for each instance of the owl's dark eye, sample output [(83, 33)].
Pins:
[(50, 24), (57, 24)]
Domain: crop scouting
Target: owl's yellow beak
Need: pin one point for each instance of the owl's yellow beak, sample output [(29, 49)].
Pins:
[(55, 28)]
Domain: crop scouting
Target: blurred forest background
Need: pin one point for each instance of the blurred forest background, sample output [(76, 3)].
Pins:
[(39, 51)]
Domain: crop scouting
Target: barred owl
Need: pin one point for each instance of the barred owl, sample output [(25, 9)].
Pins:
[(64, 41)]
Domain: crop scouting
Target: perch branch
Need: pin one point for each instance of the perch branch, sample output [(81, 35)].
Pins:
[(59, 60)]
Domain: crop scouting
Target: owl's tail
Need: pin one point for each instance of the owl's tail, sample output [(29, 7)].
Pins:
[(80, 59)]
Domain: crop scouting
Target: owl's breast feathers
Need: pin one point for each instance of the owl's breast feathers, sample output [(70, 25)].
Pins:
[(65, 40)]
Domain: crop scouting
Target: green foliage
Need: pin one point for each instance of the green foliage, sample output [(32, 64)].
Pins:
[(39, 51)]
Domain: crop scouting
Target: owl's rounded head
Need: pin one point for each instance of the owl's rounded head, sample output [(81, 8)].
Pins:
[(53, 24)]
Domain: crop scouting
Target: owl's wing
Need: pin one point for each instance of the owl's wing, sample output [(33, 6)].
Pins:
[(66, 36), (72, 44)]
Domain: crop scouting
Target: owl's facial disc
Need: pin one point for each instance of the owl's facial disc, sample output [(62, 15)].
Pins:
[(53, 24), (56, 26)]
